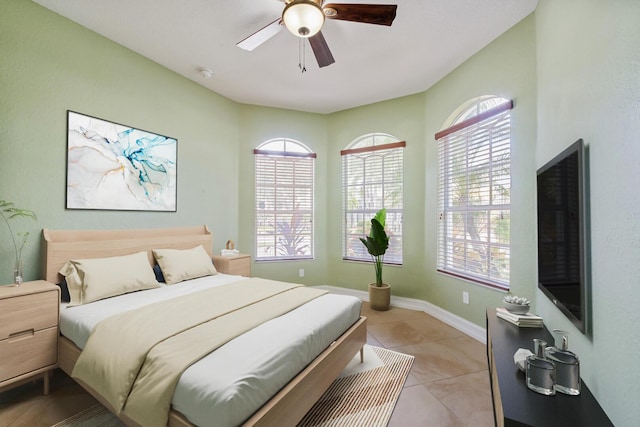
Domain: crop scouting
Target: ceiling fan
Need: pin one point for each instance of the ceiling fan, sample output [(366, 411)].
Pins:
[(304, 18)]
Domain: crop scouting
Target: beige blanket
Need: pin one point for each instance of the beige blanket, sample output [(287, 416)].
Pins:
[(134, 359)]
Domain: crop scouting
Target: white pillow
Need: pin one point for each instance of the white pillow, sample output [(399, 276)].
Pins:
[(108, 277), (74, 283), (178, 265)]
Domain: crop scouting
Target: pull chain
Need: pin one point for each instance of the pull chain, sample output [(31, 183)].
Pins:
[(301, 55)]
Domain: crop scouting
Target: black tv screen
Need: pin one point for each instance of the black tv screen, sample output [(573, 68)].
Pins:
[(561, 233)]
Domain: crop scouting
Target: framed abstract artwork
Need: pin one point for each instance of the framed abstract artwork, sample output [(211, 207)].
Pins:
[(116, 167)]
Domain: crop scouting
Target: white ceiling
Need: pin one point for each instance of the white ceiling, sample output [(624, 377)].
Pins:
[(428, 39)]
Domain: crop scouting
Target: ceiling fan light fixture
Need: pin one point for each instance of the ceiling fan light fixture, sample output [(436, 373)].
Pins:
[(303, 18)]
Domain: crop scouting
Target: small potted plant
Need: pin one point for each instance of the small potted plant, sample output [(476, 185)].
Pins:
[(377, 243), (8, 212)]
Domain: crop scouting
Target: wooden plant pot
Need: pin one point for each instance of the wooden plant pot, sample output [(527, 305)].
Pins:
[(379, 297)]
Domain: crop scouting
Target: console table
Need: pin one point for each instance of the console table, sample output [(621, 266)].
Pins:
[(513, 403)]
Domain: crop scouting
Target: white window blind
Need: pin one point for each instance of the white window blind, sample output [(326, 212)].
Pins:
[(372, 177), (284, 200), (474, 162)]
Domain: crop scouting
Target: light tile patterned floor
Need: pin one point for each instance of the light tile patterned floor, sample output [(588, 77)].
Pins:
[(449, 382)]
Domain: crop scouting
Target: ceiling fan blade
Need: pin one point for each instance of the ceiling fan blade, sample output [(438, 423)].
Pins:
[(261, 36), (381, 14), (321, 50)]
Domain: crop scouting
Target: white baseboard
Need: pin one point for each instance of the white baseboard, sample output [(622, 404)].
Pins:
[(471, 329)]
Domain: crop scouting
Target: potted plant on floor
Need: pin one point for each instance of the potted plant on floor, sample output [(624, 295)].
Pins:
[(377, 243)]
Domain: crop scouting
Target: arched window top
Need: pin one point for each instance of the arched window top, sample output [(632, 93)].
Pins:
[(472, 108), (372, 140), (284, 145)]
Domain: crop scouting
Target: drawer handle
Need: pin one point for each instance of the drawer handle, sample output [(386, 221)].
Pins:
[(28, 333)]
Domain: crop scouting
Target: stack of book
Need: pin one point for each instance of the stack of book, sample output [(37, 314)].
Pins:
[(527, 320)]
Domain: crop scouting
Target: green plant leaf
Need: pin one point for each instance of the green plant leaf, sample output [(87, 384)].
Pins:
[(7, 212), (381, 217), (377, 241)]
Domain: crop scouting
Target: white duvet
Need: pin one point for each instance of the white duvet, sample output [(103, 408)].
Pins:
[(230, 384)]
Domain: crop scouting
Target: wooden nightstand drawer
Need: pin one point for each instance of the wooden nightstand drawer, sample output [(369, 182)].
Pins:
[(28, 351), (28, 332), (237, 265), (31, 311)]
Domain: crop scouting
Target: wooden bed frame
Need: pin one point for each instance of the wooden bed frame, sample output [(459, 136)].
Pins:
[(287, 407)]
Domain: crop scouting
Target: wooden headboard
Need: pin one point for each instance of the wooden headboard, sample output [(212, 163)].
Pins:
[(63, 245)]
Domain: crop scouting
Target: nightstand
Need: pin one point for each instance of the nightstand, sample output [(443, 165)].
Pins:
[(238, 264), (28, 332)]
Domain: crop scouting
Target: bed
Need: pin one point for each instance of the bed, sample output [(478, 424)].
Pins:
[(285, 405)]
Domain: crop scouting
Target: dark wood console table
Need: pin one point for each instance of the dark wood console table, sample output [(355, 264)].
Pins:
[(513, 403)]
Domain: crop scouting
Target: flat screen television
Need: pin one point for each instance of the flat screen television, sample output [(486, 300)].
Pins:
[(562, 233)]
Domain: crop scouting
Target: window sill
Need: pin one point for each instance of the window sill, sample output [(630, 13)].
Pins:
[(365, 261), (268, 260), (484, 283)]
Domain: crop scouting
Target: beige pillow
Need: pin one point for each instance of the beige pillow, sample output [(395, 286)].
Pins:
[(108, 277), (74, 283), (178, 265)]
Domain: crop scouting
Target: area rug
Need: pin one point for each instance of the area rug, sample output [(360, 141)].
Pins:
[(95, 416), (363, 395)]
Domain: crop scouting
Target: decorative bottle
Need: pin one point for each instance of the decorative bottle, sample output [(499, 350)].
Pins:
[(541, 373), (567, 364)]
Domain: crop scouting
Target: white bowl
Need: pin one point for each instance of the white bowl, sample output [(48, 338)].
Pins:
[(516, 308)]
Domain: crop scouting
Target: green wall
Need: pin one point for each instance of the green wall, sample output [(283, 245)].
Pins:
[(505, 68), (588, 73), (571, 69), (402, 118), (50, 65), (260, 124)]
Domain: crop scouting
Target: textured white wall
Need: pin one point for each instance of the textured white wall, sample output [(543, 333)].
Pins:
[(588, 72)]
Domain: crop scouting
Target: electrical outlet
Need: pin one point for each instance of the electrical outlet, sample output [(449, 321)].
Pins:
[(301, 272), (465, 297)]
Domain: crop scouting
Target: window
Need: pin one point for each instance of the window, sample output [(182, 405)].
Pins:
[(371, 180), (474, 164), (284, 200)]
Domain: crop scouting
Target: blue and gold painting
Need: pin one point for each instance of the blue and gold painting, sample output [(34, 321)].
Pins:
[(116, 167)]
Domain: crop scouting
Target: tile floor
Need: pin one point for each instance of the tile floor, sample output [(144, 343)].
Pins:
[(449, 381), (448, 385)]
